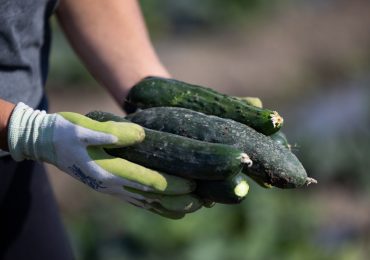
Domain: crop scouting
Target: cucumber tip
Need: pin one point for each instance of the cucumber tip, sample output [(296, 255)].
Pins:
[(276, 119), (244, 158), (310, 181)]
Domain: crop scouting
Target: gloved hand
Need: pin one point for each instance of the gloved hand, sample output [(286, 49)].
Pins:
[(74, 143)]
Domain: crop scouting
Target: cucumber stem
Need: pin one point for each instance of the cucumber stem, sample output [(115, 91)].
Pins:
[(244, 158), (276, 119), (310, 180)]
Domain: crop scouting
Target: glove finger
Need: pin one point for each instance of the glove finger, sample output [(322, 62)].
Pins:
[(178, 203), (125, 134), (156, 209), (139, 177), (135, 202), (167, 214)]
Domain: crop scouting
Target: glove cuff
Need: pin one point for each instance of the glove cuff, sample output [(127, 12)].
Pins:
[(30, 134)]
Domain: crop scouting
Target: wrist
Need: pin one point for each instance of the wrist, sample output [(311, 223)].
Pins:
[(30, 134), (5, 113)]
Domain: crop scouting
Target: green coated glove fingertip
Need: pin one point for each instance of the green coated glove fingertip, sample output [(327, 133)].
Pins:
[(127, 133)]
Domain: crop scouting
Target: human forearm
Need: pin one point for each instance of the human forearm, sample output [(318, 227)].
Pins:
[(111, 38), (6, 109)]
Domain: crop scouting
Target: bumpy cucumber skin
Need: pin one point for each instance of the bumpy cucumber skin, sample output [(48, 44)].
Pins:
[(177, 155), (221, 191), (184, 157), (272, 163), (157, 92)]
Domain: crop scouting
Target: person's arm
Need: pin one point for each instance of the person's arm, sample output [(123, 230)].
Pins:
[(6, 109), (111, 38)]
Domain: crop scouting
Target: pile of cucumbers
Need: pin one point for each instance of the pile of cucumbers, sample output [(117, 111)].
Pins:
[(215, 139)]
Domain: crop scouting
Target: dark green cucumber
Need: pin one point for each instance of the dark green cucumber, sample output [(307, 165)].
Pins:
[(255, 101), (260, 182), (160, 92), (177, 155), (230, 191), (280, 138), (273, 164)]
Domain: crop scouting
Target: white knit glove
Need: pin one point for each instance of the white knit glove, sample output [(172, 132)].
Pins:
[(74, 143)]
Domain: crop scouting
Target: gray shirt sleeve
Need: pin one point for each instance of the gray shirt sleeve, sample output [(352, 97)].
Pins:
[(24, 49)]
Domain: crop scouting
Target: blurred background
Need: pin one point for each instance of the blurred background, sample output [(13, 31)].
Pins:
[(310, 60)]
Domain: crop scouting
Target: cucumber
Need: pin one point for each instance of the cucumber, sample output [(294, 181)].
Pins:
[(260, 182), (255, 101), (281, 139), (157, 92), (273, 164), (279, 136), (177, 155), (230, 191)]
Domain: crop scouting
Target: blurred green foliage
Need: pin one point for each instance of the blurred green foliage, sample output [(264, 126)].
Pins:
[(269, 224)]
